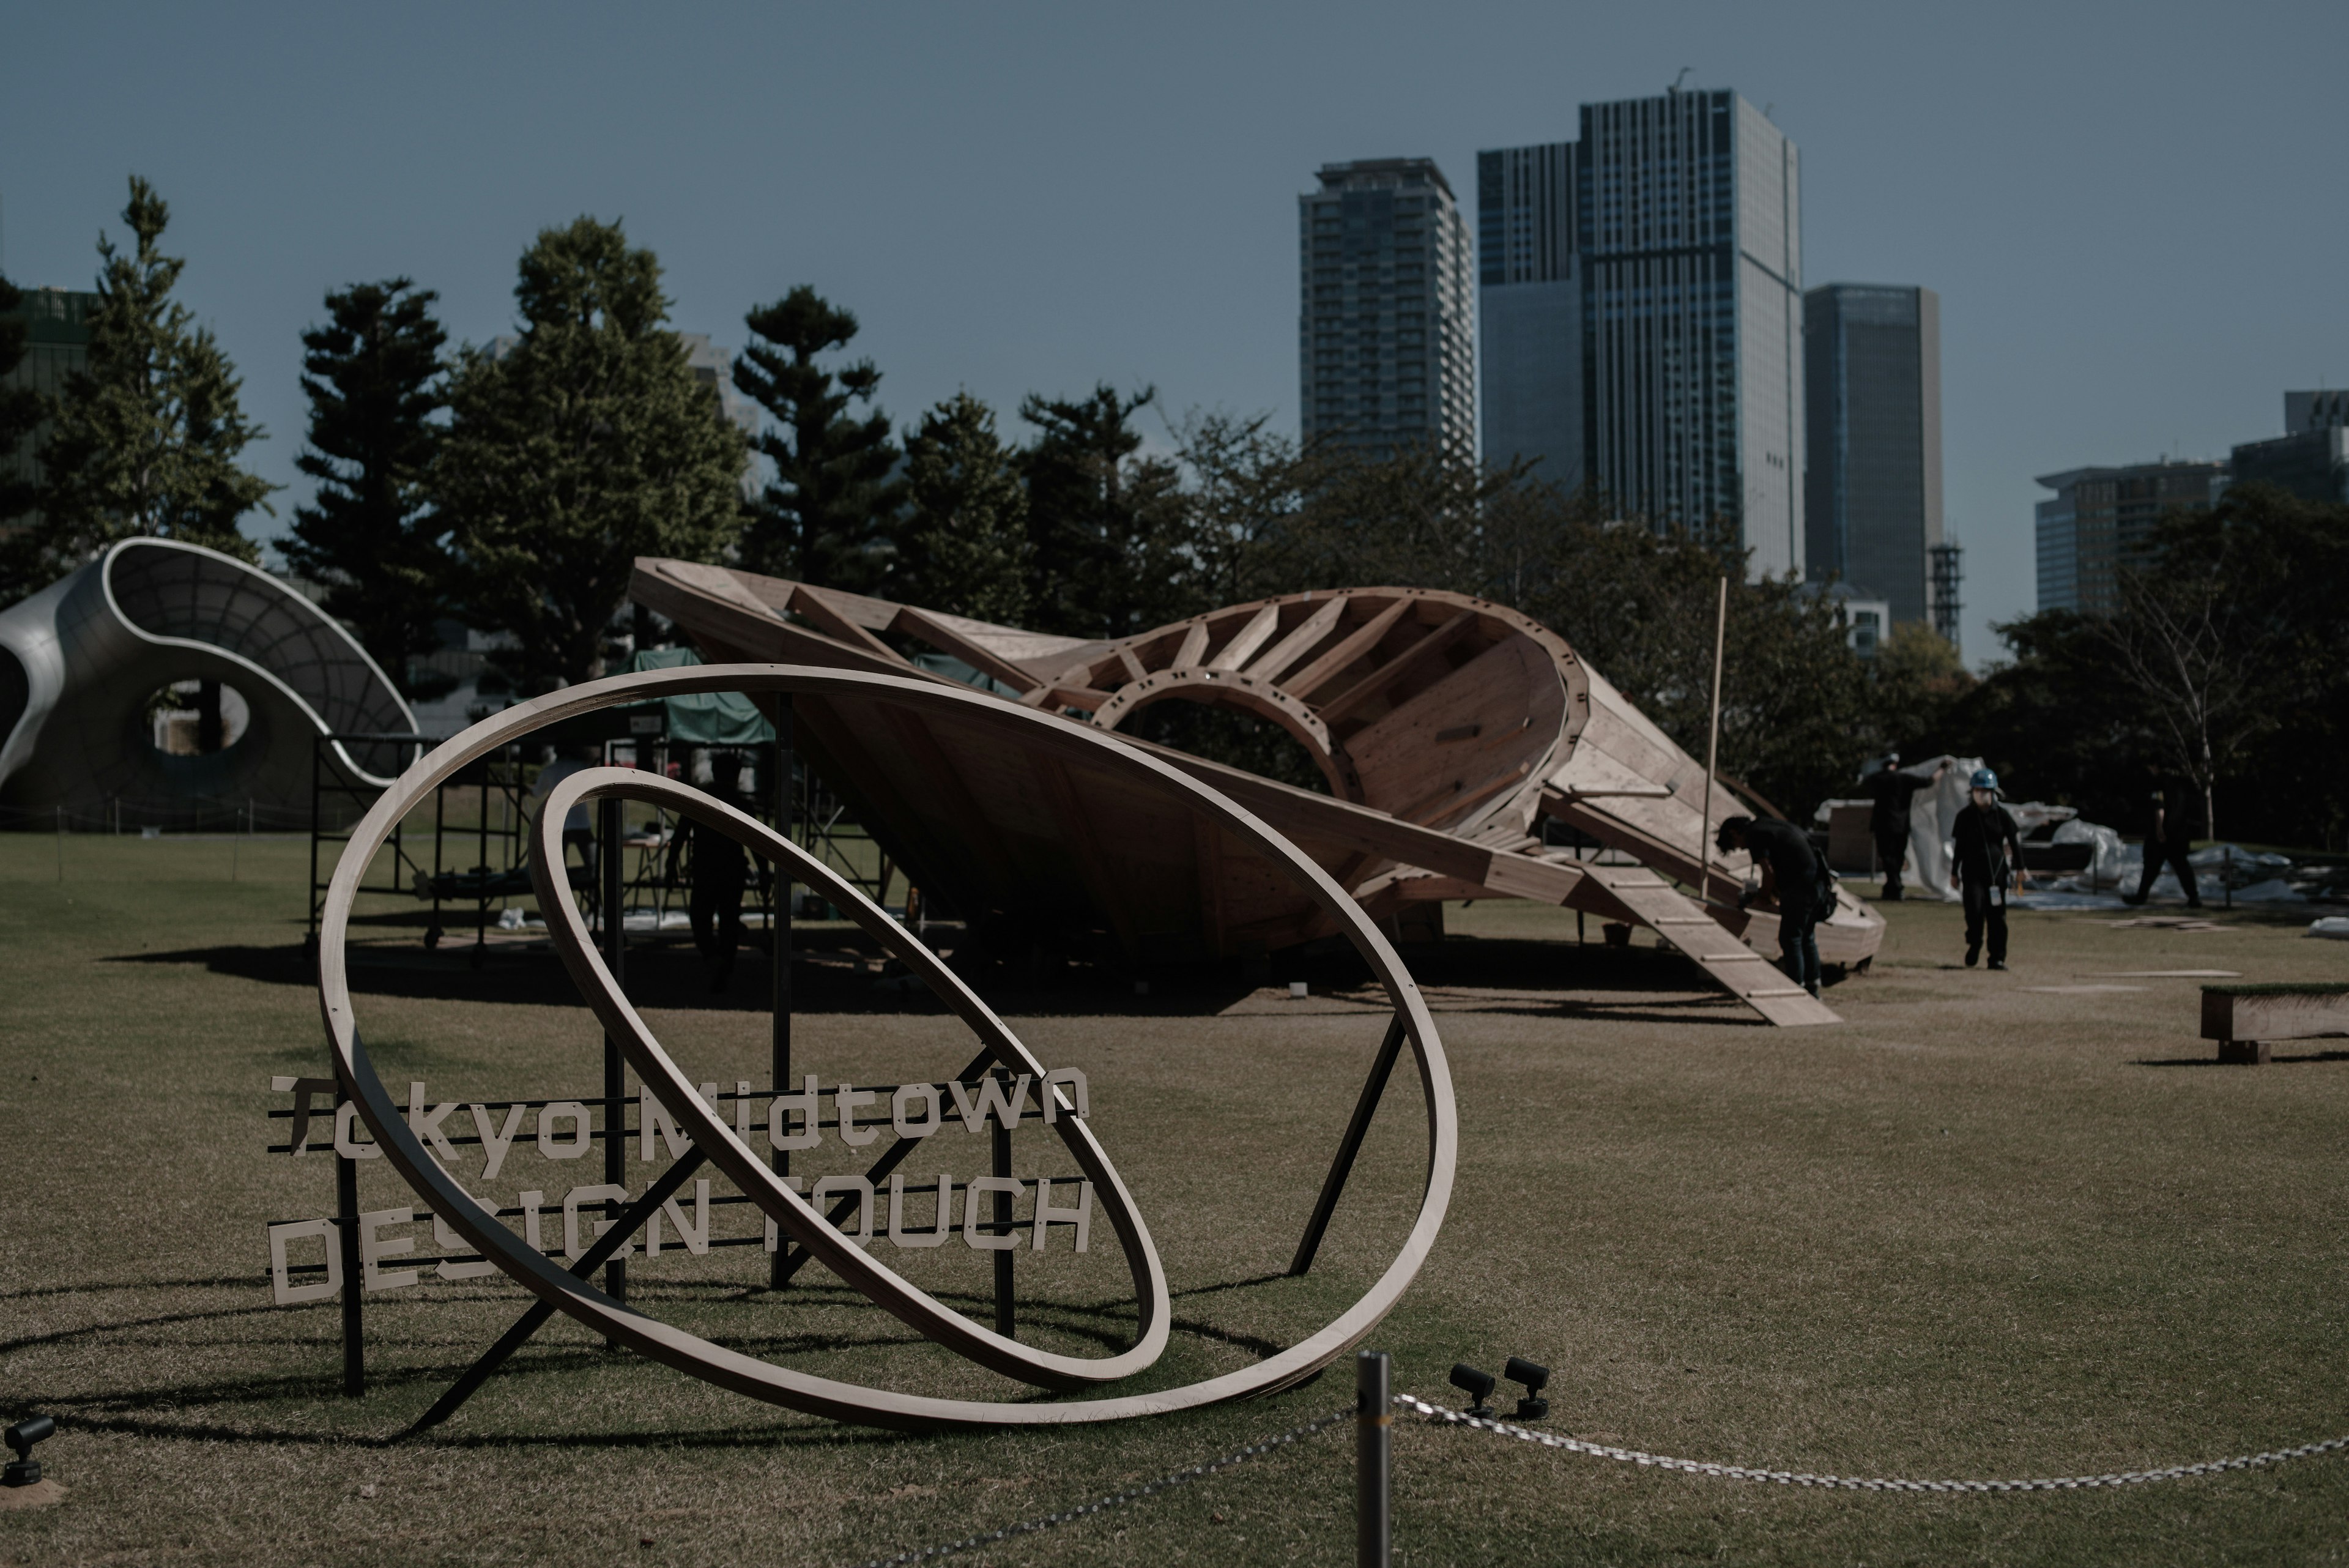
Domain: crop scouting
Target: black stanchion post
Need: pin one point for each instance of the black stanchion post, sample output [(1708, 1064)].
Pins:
[(1374, 1454), (346, 1241), (1004, 1322), (779, 942), (615, 1115)]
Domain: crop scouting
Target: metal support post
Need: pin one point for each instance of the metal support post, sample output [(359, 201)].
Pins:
[(779, 943), (1373, 1459), (615, 1115), (347, 1240), (1373, 1089), (1004, 1323)]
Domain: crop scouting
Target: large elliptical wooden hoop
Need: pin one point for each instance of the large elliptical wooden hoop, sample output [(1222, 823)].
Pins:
[(746, 1375)]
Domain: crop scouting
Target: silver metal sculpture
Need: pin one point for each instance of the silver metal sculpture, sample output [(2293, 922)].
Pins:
[(881, 701), (80, 659)]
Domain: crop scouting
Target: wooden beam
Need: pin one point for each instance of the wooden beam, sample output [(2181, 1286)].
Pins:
[(819, 608), (1248, 639), (1410, 658), (1358, 642), (1195, 643), (947, 640), (1298, 643)]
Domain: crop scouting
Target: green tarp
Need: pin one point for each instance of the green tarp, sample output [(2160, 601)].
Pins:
[(708, 718)]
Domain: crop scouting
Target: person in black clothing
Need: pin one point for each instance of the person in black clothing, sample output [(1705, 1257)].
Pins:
[(1892, 791), (721, 869), (1794, 876), (2169, 836), (1989, 859)]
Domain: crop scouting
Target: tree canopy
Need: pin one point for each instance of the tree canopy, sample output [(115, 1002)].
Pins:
[(824, 519), (146, 442), (584, 443), (374, 376), (963, 547)]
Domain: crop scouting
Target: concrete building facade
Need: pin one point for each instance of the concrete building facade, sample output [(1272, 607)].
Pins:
[(2103, 519), (1872, 417), (1386, 324), (57, 344)]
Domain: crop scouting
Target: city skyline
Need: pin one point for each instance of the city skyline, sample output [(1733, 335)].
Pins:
[(1147, 236)]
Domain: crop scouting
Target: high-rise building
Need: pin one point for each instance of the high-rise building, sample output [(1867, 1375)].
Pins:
[(1529, 310), (1872, 414), (2310, 460), (1385, 333), (2103, 519), (1687, 251)]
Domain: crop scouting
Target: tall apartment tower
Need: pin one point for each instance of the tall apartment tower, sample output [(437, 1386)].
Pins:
[(1872, 397), (1529, 309), (1687, 249), (1385, 334)]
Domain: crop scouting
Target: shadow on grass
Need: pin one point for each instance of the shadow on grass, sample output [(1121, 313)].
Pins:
[(117, 1410), (2212, 1061), (1561, 976)]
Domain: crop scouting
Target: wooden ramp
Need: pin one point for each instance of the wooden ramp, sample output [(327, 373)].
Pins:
[(1736, 968)]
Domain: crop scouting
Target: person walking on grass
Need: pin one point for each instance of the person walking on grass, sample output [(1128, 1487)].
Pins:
[(1894, 791), (2169, 836), (1792, 875), (1989, 856)]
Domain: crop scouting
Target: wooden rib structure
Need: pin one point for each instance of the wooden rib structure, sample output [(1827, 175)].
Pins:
[(1445, 727)]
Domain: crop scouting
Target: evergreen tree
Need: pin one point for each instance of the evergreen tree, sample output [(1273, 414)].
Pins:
[(146, 441), (587, 445), (825, 519), (964, 549), (20, 414), (374, 378), (1106, 526)]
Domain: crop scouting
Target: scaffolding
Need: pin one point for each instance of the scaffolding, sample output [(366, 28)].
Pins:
[(1947, 572)]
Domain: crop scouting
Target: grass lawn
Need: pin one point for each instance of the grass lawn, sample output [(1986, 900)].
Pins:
[(1993, 1225)]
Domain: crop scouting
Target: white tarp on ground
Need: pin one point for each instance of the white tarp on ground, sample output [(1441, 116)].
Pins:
[(2333, 926)]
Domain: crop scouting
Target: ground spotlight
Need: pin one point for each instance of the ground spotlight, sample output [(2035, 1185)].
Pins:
[(1533, 1406), (26, 1470), (1478, 1385)]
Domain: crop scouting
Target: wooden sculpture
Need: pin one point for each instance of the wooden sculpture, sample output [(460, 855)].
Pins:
[(1446, 728)]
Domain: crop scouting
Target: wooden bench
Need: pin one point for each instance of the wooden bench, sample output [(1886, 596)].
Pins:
[(2243, 1017)]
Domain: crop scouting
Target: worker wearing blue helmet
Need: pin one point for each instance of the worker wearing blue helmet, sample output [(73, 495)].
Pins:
[(1989, 860)]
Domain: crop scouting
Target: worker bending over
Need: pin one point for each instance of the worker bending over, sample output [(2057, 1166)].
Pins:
[(1795, 877)]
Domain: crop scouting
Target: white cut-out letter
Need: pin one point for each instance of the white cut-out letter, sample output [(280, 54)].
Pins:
[(862, 1235), (495, 1141), (532, 1203), (1082, 1216), (571, 1202), (846, 1099), (941, 1223), (451, 1242), (282, 1288), (991, 1102), (906, 1096), (581, 1134), (695, 1236), (1055, 1102), (972, 1219), (373, 1250), (347, 1144), (779, 1118), (774, 1234)]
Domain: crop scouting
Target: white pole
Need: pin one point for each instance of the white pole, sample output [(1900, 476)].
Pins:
[(1712, 750)]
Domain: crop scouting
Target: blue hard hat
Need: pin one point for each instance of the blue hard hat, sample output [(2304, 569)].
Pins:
[(1984, 779)]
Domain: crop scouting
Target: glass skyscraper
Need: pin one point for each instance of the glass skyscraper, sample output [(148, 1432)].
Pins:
[(1687, 251), (1386, 352), (1872, 506)]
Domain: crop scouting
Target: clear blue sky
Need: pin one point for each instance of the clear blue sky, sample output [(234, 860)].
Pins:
[(2133, 214)]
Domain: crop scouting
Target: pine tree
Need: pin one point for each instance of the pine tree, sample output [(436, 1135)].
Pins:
[(587, 445), (374, 378), (20, 414), (146, 441), (964, 548), (1106, 527), (825, 519)]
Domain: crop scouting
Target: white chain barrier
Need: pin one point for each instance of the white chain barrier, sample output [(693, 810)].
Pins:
[(1443, 1415)]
